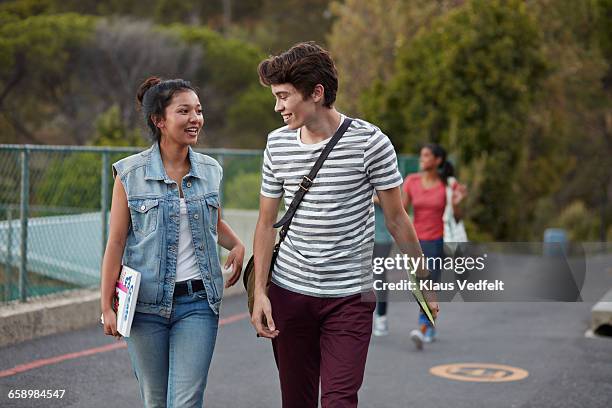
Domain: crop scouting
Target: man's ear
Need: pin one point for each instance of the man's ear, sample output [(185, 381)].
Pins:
[(318, 93)]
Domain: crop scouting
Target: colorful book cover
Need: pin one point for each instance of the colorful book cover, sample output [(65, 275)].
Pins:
[(126, 295)]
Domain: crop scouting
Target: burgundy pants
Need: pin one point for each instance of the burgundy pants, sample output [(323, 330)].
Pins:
[(322, 339)]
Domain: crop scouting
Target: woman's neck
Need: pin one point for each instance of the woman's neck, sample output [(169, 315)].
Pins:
[(174, 156), (430, 176)]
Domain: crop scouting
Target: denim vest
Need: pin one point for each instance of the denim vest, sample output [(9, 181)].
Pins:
[(152, 241)]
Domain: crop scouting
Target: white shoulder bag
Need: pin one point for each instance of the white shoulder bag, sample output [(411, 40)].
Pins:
[(454, 232)]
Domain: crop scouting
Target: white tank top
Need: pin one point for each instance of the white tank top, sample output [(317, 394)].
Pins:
[(186, 263)]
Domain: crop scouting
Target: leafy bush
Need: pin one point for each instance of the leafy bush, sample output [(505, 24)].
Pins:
[(243, 191)]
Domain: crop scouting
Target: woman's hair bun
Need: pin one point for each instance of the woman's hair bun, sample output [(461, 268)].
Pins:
[(145, 86)]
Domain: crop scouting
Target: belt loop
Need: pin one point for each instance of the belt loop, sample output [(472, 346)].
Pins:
[(189, 288)]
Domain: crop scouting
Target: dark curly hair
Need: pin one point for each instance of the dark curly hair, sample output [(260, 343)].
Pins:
[(304, 66)]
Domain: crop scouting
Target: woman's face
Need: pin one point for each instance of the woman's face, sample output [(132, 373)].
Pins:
[(427, 160), (183, 118)]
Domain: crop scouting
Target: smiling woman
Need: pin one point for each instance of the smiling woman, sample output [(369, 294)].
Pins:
[(166, 223), (183, 118), (170, 102)]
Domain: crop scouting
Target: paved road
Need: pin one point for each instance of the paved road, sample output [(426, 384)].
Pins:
[(546, 339)]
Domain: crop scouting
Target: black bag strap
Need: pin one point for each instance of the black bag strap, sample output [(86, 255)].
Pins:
[(307, 180)]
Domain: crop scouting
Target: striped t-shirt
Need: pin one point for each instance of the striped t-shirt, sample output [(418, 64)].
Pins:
[(328, 249)]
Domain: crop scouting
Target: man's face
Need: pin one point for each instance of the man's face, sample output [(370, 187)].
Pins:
[(293, 107)]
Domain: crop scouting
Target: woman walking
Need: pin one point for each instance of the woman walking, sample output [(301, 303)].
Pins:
[(426, 193), (165, 223)]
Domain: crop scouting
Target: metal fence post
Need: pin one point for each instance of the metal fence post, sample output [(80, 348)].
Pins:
[(220, 196), (104, 200), (8, 268), (221, 187), (25, 200)]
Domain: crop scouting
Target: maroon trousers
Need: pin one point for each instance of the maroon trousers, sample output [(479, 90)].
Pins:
[(322, 339)]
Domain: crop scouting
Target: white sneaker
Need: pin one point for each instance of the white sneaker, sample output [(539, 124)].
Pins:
[(430, 335), (417, 337), (381, 327)]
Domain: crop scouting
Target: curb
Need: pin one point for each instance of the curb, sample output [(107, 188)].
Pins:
[(57, 313), (601, 313), (48, 315)]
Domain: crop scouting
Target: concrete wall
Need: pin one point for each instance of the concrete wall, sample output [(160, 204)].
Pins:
[(76, 309)]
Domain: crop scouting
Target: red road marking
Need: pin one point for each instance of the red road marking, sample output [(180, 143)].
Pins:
[(233, 318), (58, 359), (88, 352)]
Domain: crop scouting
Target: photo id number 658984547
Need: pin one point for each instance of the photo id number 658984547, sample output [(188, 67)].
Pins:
[(36, 394)]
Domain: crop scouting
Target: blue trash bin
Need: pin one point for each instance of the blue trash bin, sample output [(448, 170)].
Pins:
[(555, 242)]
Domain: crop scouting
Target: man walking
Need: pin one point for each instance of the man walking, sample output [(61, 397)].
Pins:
[(318, 307)]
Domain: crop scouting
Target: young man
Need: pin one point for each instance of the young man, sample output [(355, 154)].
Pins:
[(318, 310)]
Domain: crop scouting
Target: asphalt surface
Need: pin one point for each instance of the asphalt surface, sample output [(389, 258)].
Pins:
[(547, 339)]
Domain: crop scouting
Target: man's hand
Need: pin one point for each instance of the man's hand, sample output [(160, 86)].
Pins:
[(263, 244), (435, 309), (262, 317), (430, 298)]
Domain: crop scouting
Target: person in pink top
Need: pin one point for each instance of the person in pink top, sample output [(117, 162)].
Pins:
[(426, 193)]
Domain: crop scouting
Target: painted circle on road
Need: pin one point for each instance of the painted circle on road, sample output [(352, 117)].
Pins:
[(479, 372)]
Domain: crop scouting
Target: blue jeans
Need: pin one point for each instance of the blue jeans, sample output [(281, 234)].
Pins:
[(432, 249), (171, 356)]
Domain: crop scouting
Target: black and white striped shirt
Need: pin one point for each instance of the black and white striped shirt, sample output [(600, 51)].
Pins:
[(328, 249)]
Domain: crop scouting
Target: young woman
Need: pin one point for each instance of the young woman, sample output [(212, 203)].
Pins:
[(166, 223), (426, 193)]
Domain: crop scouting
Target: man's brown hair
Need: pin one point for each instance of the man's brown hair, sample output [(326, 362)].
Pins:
[(304, 66)]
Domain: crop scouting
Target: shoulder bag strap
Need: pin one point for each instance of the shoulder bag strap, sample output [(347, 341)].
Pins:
[(307, 180)]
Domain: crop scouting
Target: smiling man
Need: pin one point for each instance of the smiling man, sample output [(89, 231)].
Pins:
[(318, 308)]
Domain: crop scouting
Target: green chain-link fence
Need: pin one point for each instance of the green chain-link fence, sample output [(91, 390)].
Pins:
[(54, 211)]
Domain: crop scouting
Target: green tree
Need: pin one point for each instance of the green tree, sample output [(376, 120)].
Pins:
[(69, 184), (35, 51), (71, 181), (238, 111), (380, 28), (252, 117), (578, 221), (25, 8), (570, 129), (122, 53), (284, 23), (111, 131), (216, 14), (468, 83), (243, 191)]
